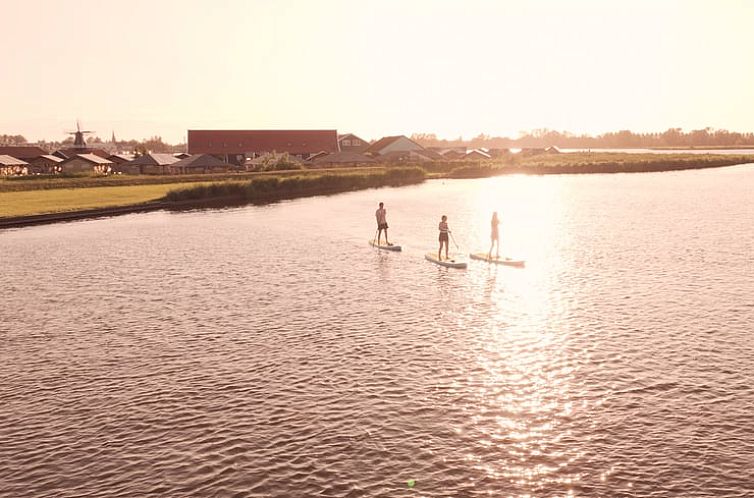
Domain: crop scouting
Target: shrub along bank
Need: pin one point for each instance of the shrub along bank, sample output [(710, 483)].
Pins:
[(269, 188), (597, 163)]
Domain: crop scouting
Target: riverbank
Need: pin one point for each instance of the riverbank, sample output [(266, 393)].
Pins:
[(29, 200), (110, 201), (603, 162)]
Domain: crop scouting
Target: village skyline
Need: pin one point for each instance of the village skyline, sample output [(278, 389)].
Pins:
[(375, 69), (671, 138)]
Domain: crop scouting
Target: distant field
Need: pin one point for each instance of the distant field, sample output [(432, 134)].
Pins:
[(75, 199)]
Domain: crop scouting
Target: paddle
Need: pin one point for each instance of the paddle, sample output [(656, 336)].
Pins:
[(374, 239), (454, 240)]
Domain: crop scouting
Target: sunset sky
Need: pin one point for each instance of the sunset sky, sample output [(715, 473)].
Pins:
[(454, 68)]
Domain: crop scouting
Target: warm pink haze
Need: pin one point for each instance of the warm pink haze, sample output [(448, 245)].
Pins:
[(143, 68)]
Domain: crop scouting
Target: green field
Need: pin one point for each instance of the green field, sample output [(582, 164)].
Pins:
[(75, 199)]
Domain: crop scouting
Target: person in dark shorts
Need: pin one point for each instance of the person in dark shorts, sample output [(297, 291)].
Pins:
[(444, 231), (381, 215)]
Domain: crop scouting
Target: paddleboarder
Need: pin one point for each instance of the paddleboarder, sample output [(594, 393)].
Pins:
[(381, 215), (444, 231), (495, 236)]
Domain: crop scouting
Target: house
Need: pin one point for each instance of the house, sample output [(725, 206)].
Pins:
[(148, 164), (235, 146), (420, 156), (496, 153), (453, 154), (532, 151), (199, 163), (316, 155), (182, 155), (10, 165), (46, 164), (398, 143), (86, 163), (552, 150), (119, 158), (351, 143), (22, 152), (344, 158)]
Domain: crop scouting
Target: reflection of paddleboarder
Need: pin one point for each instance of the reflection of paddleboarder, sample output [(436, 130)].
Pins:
[(495, 237), (444, 231), (381, 215)]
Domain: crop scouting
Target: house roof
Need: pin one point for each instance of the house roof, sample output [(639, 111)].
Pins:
[(22, 151), (92, 158), (155, 160), (199, 161), (240, 141), (351, 136), (402, 155), (7, 160), (52, 158), (343, 158), (121, 157), (74, 151), (385, 141), (478, 152)]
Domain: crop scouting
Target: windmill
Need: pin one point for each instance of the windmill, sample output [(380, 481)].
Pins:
[(78, 140)]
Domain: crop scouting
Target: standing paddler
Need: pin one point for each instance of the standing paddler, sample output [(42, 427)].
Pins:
[(381, 215)]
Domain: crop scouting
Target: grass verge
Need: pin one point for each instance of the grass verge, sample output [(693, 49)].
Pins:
[(77, 199)]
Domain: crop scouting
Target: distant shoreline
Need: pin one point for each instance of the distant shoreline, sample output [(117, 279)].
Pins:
[(699, 147), (232, 190)]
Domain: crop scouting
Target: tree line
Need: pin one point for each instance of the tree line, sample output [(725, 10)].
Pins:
[(136, 147), (624, 139)]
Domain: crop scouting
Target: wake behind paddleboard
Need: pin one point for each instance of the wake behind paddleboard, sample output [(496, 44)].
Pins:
[(481, 256), (385, 247), (450, 263)]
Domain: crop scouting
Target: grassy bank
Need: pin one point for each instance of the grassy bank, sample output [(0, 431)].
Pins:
[(284, 187), (31, 202), (262, 188), (83, 180), (601, 162)]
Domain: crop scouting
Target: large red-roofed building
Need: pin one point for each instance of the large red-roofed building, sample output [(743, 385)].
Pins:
[(234, 146)]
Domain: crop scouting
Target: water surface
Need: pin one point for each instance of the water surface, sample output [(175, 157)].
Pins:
[(269, 351)]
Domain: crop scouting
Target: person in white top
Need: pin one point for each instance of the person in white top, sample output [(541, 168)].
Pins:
[(381, 215)]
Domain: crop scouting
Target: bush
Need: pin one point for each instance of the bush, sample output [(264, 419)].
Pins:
[(276, 187)]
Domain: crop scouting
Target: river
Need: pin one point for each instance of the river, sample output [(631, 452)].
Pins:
[(269, 351)]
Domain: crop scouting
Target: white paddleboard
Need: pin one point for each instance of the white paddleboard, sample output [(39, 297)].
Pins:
[(482, 256), (450, 263), (385, 247)]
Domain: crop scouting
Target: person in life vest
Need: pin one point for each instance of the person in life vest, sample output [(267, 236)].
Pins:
[(381, 215), (444, 231)]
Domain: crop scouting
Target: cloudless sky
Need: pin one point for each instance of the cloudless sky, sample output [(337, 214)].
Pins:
[(383, 67)]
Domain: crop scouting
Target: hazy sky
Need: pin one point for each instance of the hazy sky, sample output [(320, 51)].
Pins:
[(152, 67)]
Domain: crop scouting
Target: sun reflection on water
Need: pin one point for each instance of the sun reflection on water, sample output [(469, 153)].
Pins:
[(522, 374)]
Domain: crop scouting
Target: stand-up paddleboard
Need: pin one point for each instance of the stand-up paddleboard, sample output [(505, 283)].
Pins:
[(391, 247), (481, 256), (450, 263)]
